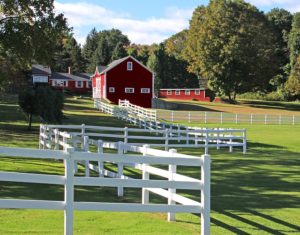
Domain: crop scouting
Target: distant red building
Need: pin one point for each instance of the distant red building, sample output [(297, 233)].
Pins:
[(125, 78), (185, 94), (79, 83)]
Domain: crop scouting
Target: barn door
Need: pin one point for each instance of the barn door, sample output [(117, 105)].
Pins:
[(98, 87)]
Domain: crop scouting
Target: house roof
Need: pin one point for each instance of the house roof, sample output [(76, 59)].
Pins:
[(117, 62), (38, 69), (67, 76)]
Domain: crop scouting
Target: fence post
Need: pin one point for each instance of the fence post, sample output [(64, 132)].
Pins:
[(236, 118), (86, 148), (40, 137), (187, 136), (172, 191), (120, 169), (56, 139), (279, 119), (189, 117), (125, 137), (266, 116), (172, 116), (244, 141), (221, 118), (230, 142), (251, 118), (206, 141), (65, 142), (178, 133), (74, 143), (293, 120), (205, 117), (218, 138), (166, 139), (145, 192), (82, 134), (69, 192), (100, 163), (205, 195)]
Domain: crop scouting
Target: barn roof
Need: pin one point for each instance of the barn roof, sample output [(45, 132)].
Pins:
[(38, 69), (117, 62), (67, 76)]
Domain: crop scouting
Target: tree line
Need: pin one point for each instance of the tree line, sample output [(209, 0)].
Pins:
[(230, 47)]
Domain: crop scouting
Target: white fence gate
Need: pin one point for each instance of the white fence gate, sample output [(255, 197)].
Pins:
[(143, 161)]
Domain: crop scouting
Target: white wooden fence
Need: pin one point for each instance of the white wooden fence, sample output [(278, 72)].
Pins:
[(166, 137), (221, 117), (143, 161), (168, 133), (138, 112)]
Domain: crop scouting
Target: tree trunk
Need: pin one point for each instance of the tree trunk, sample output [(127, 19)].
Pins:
[(30, 120)]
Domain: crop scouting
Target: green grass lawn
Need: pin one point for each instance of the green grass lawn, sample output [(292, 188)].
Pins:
[(256, 193)]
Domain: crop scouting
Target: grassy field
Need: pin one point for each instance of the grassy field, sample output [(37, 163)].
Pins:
[(243, 106), (256, 193)]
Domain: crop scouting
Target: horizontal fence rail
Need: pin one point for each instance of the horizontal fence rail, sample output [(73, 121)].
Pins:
[(168, 133), (140, 158), (222, 117), (167, 136)]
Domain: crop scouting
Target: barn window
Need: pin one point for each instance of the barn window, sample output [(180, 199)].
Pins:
[(177, 92), (111, 90), (79, 84), (145, 90), (129, 90), (197, 92), (129, 66), (88, 84), (169, 92), (187, 92)]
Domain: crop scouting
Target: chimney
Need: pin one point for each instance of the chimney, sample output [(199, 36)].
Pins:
[(69, 70)]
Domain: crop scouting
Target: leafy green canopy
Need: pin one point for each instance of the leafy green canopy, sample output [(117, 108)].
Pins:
[(44, 102), (232, 45)]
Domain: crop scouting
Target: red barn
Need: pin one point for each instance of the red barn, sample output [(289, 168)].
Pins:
[(125, 78), (185, 94)]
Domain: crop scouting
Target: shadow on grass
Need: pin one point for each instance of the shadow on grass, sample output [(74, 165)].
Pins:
[(271, 105)]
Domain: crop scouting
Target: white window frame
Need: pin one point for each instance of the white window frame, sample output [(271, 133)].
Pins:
[(187, 92), (177, 92), (88, 84), (111, 90), (197, 92), (129, 90), (145, 90), (59, 83), (169, 92), (77, 84), (129, 66)]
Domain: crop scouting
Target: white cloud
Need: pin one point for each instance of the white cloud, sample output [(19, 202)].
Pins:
[(82, 15), (290, 5)]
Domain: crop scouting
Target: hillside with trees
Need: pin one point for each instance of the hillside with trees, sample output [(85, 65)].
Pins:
[(230, 47)]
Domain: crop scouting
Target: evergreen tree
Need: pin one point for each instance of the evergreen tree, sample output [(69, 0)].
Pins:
[(89, 50), (119, 52)]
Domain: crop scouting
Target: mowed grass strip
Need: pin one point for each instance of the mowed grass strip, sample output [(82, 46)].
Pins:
[(256, 193)]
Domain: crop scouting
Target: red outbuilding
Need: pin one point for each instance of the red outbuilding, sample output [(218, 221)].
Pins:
[(185, 94), (78, 83), (126, 78)]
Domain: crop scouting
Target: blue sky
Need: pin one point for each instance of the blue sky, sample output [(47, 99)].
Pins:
[(143, 21)]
